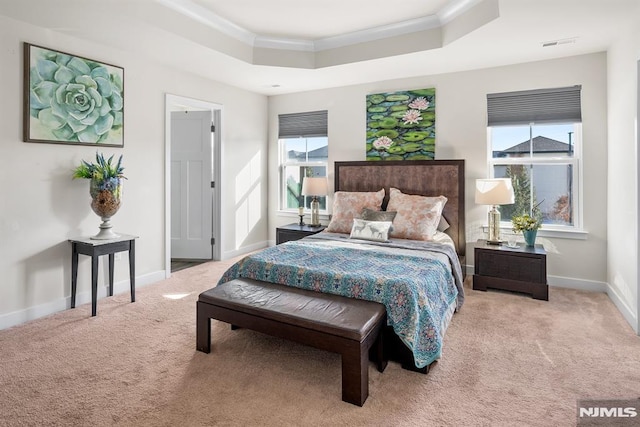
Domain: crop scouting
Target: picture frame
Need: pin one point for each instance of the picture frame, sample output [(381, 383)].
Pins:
[(70, 99), (401, 125)]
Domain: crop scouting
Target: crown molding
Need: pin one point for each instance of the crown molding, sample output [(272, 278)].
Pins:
[(378, 33), (284, 43), (454, 9), (194, 11), (207, 17)]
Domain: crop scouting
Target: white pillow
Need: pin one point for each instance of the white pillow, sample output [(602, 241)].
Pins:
[(377, 231)]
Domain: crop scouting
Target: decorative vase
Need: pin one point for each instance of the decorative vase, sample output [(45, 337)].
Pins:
[(106, 195), (530, 237)]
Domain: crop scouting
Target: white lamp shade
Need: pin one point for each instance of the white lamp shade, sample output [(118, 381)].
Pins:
[(314, 186), (494, 191)]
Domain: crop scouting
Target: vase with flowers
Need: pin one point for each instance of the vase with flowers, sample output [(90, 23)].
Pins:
[(105, 189), (528, 225)]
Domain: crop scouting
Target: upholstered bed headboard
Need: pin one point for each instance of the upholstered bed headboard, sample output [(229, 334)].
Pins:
[(421, 177)]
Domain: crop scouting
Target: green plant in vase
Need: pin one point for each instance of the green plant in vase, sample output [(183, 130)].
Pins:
[(105, 189), (528, 225)]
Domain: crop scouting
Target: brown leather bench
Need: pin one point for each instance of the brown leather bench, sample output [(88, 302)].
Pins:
[(334, 323)]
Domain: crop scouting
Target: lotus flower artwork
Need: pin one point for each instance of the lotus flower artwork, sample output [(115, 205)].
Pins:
[(401, 125), (73, 99), (411, 117), (382, 143)]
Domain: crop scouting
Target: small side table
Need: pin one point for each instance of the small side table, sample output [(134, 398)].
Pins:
[(522, 269), (286, 233), (95, 248)]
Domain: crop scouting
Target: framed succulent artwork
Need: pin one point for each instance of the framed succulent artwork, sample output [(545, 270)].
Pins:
[(69, 99), (401, 125)]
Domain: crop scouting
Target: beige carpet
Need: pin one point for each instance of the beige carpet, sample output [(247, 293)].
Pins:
[(508, 360)]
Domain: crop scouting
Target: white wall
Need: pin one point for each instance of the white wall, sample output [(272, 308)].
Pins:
[(622, 251), (41, 207), (461, 133)]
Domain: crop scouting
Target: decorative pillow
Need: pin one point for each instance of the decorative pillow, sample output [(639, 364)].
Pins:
[(371, 215), (348, 205), (377, 231), (418, 216), (443, 225)]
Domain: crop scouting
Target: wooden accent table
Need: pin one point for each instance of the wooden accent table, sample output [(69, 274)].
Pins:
[(522, 269), (95, 248), (294, 231)]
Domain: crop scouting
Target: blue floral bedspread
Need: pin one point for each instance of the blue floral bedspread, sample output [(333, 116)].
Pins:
[(420, 288)]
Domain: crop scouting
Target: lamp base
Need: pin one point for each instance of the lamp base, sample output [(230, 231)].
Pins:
[(494, 226), (495, 242), (315, 212)]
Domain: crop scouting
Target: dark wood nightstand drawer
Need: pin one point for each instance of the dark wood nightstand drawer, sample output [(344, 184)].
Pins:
[(290, 232), (286, 236), (515, 267)]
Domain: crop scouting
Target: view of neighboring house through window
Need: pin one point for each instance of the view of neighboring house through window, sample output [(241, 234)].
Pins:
[(535, 139), (304, 152)]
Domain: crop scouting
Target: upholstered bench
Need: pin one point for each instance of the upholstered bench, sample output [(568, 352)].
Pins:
[(334, 323)]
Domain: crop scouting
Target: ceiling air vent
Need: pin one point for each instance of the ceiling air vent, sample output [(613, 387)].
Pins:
[(559, 42)]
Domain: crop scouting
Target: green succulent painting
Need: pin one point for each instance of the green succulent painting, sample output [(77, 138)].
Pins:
[(73, 99), (401, 125)]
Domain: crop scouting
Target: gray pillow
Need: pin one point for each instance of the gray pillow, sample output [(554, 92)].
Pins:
[(371, 215), (443, 224)]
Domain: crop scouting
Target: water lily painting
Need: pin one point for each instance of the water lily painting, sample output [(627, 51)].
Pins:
[(69, 99), (401, 125)]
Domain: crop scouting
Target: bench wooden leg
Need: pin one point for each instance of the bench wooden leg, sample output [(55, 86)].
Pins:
[(203, 328), (381, 357), (355, 374)]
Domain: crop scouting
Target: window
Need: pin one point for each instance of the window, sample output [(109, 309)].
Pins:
[(535, 139), (304, 152)]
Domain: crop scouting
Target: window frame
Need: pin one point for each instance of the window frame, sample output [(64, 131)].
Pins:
[(575, 230), (284, 162)]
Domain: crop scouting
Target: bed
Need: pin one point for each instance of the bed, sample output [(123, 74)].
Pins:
[(419, 282)]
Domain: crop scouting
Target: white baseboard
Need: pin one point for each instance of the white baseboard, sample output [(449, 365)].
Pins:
[(623, 308), (244, 250), (31, 313), (578, 284), (565, 282)]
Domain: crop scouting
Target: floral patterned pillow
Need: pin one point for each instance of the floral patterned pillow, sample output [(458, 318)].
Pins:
[(417, 217), (348, 205)]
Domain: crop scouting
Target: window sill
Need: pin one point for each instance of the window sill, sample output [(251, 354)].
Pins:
[(568, 233), (324, 217)]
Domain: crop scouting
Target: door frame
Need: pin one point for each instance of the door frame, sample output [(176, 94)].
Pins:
[(181, 103)]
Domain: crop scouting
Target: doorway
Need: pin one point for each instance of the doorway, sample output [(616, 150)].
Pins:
[(192, 181)]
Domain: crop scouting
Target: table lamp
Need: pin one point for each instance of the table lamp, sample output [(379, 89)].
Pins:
[(314, 186), (494, 192)]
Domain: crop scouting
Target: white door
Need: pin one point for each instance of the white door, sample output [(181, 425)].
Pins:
[(191, 182)]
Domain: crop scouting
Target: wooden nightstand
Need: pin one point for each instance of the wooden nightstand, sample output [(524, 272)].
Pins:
[(522, 269), (289, 232)]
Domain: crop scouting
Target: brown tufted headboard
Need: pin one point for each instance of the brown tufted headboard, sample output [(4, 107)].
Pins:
[(421, 177)]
